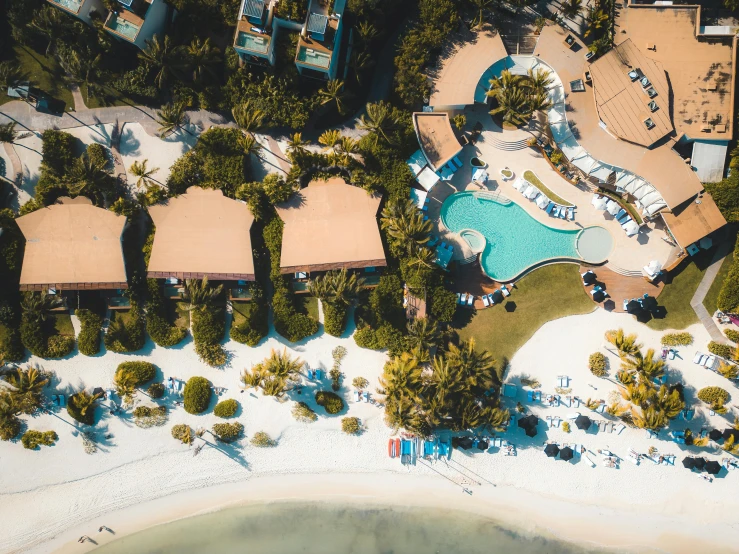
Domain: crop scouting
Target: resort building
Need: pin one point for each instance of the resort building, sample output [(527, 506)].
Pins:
[(84, 10), (202, 233), (319, 43), (137, 21), (437, 140), (331, 225), (73, 246)]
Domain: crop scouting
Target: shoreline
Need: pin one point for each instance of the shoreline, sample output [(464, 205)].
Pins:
[(611, 528)]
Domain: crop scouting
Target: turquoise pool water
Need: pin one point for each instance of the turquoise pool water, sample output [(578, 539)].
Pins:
[(515, 240)]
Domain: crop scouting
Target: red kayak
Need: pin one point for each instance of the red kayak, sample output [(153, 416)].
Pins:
[(391, 448), (397, 447)]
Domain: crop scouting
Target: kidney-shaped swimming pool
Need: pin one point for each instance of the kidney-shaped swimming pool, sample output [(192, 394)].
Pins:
[(515, 241)]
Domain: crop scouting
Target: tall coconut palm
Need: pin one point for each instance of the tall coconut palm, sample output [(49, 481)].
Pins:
[(36, 306), (422, 256), (539, 101), (49, 22), (202, 59), (8, 133), (400, 376), (443, 383), (647, 365), (625, 344), (143, 173), (249, 145), (476, 367), (359, 62), (597, 19), (539, 80), (10, 75), (84, 401), (248, 117), (424, 333), (296, 145), (334, 93), (513, 105), (367, 32), (378, 119), (88, 175), (337, 287), (171, 118), (125, 385), (405, 226), (163, 58), (200, 295), (506, 81), (27, 385), (651, 418), (480, 6), (281, 364), (571, 8), (330, 138)]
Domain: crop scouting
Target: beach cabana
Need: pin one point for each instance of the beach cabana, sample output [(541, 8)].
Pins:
[(713, 467), (566, 454), (583, 422), (551, 450)]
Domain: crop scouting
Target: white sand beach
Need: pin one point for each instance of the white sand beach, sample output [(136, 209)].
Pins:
[(51, 497)]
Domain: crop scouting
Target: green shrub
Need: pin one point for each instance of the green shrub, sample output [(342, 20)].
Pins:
[(88, 340), (42, 344), (360, 383), (126, 334), (714, 396), (256, 321), (598, 364), (157, 325), (677, 339), (156, 390), (197, 395), (226, 408), (208, 330), (334, 318), (263, 440), (183, 433), (728, 297), (140, 372), (79, 408), (350, 425), (443, 304), (303, 412), (145, 416), (228, 432), (566, 426), (367, 338), (722, 350), (9, 428), (732, 335), (330, 401), (33, 439)]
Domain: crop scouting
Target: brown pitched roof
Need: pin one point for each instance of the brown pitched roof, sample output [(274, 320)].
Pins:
[(330, 225), (72, 245), (202, 233), (693, 221), (622, 103), (436, 137)]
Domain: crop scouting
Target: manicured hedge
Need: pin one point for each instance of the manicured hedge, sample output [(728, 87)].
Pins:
[(715, 396), (728, 297), (10, 428), (598, 364), (33, 439), (197, 395), (141, 371), (156, 390), (732, 335), (161, 331), (677, 339), (330, 401), (43, 345), (88, 340), (303, 412), (228, 432), (723, 350), (334, 318), (226, 408), (443, 304), (351, 425), (128, 336), (255, 325), (208, 330)]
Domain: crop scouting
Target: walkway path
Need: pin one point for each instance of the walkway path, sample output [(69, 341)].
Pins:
[(700, 294), (79, 102)]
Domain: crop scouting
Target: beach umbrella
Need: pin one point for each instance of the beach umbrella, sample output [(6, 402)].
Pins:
[(688, 463), (715, 434), (510, 306), (599, 202), (551, 450), (713, 467), (531, 432), (482, 444), (566, 454), (633, 306), (588, 278), (583, 422), (528, 422), (731, 433), (613, 207), (497, 297), (699, 463), (98, 391), (465, 442), (649, 303), (599, 295)]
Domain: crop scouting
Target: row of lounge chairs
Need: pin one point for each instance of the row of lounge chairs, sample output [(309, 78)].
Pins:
[(408, 449), (553, 400), (709, 361), (362, 396), (466, 299), (532, 193), (629, 226)]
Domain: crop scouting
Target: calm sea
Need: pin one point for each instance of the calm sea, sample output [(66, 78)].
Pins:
[(327, 529)]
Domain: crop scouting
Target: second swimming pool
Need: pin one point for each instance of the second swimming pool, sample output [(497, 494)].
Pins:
[(515, 241)]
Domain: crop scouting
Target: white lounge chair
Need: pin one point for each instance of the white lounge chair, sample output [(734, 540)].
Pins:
[(470, 300), (697, 358), (357, 398), (504, 291), (571, 214), (485, 300), (463, 298)]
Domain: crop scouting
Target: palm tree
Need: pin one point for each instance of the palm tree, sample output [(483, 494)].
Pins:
[(200, 295), (296, 145), (539, 80), (651, 418), (348, 145), (253, 378), (359, 62), (405, 226), (423, 256), (248, 117), (333, 92), (423, 333), (539, 101), (8, 133), (281, 364), (162, 57), (506, 81), (330, 138), (379, 119), (49, 22), (143, 173), (625, 344), (647, 365), (88, 175), (480, 6), (37, 306), (571, 8), (514, 106), (171, 118), (10, 75), (596, 19), (400, 376), (249, 145), (339, 288), (84, 401), (367, 32), (27, 386), (477, 368), (125, 385), (202, 58)]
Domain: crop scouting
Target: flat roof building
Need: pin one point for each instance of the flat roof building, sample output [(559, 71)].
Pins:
[(436, 137), (202, 233), (330, 225)]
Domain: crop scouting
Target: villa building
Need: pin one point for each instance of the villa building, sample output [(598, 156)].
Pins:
[(133, 21), (202, 233), (331, 225), (74, 246), (319, 43), (439, 144)]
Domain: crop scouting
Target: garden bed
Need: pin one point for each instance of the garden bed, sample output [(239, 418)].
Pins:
[(531, 177), (63, 324), (625, 205), (179, 315)]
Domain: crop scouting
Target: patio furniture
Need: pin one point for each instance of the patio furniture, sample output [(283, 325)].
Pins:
[(485, 300)]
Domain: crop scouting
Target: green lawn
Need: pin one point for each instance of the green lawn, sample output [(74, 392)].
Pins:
[(120, 314), (43, 73), (711, 300), (241, 312), (307, 304), (548, 293), (531, 177), (63, 324), (179, 315), (680, 286), (111, 98)]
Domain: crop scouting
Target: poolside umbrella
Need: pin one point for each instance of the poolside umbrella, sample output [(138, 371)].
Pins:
[(731, 433), (510, 306), (633, 306), (531, 432), (482, 444), (699, 463), (588, 278), (613, 207), (599, 295), (688, 463), (583, 422), (528, 422), (713, 467), (649, 303), (465, 442), (99, 392), (566, 454), (715, 434), (551, 450), (497, 297), (599, 203)]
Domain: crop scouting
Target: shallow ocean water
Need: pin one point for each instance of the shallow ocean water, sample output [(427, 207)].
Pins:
[(314, 528)]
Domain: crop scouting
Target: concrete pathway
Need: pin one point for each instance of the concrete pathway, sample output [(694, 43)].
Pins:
[(79, 102), (700, 294)]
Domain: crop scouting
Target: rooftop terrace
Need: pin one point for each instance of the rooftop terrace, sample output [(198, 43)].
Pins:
[(252, 33), (316, 46)]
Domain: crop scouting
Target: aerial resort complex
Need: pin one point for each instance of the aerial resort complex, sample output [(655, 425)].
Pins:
[(366, 275)]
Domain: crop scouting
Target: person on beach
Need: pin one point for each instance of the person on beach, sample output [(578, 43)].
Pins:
[(104, 528)]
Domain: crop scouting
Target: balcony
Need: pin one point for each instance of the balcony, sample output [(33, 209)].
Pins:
[(72, 6), (124, 24), (250, 40)]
